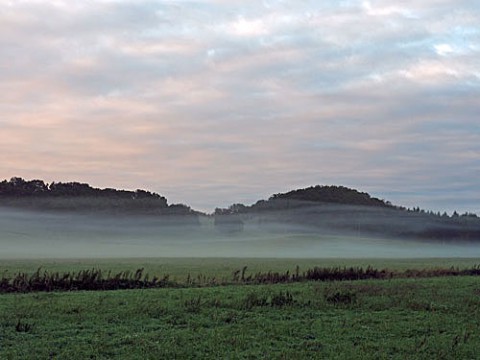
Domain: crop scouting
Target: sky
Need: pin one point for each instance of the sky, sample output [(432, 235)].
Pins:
[(216, 102)]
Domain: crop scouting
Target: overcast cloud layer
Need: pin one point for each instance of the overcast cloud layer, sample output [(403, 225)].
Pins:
[(215, 102)]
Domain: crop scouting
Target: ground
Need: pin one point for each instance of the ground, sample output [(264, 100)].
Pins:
[(371, 319)]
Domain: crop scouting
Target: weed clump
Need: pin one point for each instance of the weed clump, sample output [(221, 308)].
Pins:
[(193, 305), (282, 299), (340, 297), (279, 299), (253, 300), (23, 326)]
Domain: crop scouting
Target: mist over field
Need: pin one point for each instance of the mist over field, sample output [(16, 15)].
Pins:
[(37, 234)]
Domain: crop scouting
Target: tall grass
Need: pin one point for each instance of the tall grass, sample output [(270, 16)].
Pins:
[(92, 279), (350, 273), (96, 279)]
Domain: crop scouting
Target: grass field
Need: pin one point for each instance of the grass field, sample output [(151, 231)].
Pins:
[(429, 318)]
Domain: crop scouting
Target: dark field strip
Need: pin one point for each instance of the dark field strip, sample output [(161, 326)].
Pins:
[(96, 279)]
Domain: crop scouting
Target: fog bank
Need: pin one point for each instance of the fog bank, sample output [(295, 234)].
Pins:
[(32, 234)]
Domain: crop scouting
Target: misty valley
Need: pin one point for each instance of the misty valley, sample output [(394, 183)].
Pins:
[(73, 220), (321, 272)]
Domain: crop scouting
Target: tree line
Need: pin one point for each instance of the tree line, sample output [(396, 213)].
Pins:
[(18, 187), (81, 197)]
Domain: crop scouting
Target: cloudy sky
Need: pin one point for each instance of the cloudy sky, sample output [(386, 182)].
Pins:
[(214, 102)]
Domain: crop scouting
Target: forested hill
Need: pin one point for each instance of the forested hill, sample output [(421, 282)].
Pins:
[(18, 187), (325, 194), (311, 196), (339, 209), (332, 195), (80, 197)]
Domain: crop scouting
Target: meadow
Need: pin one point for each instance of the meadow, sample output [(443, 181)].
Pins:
[(396, 318)]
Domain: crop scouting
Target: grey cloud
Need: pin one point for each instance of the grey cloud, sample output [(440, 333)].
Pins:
[(212, 102)]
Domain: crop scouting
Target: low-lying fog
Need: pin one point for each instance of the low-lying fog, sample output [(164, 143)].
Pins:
[(28, 234)]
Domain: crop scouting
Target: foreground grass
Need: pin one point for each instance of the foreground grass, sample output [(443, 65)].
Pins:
[(384, 319)]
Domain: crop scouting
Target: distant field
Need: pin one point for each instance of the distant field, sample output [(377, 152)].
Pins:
[(427, 318)]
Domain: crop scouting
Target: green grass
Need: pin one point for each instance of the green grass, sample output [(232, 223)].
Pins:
[(435, 318)]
